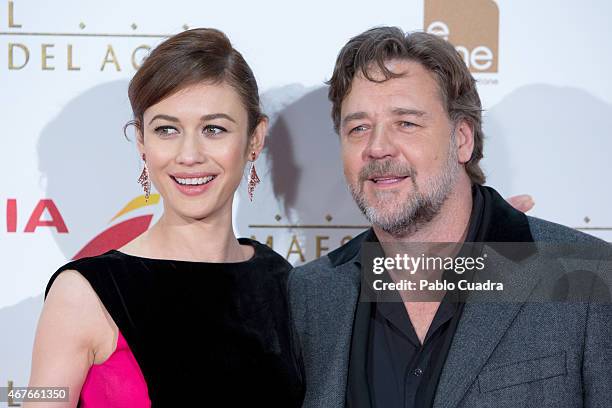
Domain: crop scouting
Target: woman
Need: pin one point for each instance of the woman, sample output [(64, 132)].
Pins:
[(185, 313)]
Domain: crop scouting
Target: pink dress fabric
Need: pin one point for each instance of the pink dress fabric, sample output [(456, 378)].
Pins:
[(117, 383)]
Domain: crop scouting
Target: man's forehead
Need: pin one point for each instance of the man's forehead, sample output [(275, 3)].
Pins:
[(375, 70), (413, 84), (389, 95)]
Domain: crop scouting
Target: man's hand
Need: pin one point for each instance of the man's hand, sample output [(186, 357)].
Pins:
[(522, 202)]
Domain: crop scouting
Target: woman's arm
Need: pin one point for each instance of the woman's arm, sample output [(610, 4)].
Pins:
[(73, 333)]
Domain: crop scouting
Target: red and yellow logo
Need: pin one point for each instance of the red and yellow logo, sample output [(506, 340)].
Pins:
[(120, 234)]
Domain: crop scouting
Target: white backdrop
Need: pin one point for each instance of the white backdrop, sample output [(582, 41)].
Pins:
[(65, 161)]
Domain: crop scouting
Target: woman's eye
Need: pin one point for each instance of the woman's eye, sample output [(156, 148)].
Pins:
[(213, 129), (165, 130)]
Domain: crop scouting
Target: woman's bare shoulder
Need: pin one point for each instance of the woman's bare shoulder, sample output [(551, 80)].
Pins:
[(73, 308)]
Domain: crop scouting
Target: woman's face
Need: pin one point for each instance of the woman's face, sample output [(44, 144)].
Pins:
[(195, 144)]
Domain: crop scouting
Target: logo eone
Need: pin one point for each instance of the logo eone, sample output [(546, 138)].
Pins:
[(479, 58), (472, 26)]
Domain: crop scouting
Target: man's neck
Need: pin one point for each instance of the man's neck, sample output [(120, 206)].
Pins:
[(449, 225)]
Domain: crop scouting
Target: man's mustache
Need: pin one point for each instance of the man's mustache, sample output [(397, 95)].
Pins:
[(385, 168)]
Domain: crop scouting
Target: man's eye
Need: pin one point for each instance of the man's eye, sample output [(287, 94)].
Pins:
[(359, 128), (165, 130), (214, 129), (405, 124)]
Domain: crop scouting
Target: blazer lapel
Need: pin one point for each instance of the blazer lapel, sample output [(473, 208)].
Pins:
[(343, 305), (340, 338), (487, 314), (486, 317)]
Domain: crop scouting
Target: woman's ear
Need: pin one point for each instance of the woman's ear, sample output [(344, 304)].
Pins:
[(139, 139), (257, 141)]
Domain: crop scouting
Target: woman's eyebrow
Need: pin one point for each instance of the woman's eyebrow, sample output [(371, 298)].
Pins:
[(166, 117), (218, 116)]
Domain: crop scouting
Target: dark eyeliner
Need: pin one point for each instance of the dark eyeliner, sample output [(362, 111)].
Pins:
[(221, 128), (158, 129)]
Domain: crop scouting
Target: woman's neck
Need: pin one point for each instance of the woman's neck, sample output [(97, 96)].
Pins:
[(210, 239)]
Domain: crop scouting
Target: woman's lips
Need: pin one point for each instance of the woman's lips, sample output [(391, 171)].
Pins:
[(193, 186)]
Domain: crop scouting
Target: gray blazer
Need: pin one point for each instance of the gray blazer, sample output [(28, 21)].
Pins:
[(511, 354)]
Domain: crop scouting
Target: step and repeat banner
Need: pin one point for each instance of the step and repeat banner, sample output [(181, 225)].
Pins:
[(68, 176)]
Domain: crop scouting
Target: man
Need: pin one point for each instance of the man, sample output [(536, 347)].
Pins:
[(409, 120)]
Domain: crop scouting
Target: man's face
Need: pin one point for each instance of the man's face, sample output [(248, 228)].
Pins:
[(399, 149)]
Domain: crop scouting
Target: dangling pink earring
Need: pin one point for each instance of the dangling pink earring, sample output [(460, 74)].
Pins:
[(253, 178), (144, 181)]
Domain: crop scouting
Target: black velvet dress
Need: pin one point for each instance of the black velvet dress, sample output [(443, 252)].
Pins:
[(204, 334)]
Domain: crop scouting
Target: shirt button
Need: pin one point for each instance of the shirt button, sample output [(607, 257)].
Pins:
[(417, 372)]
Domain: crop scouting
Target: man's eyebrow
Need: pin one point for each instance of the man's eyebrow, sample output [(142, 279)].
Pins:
[(203, 118), (353, 116), (405, 111), (218, 116), (166, 117)]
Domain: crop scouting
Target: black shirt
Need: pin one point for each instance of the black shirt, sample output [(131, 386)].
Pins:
[(402, 373)]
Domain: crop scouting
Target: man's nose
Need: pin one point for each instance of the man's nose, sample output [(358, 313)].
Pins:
[(380, 145)]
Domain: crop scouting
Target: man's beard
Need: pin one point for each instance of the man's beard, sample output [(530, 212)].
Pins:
[(401, 218)]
